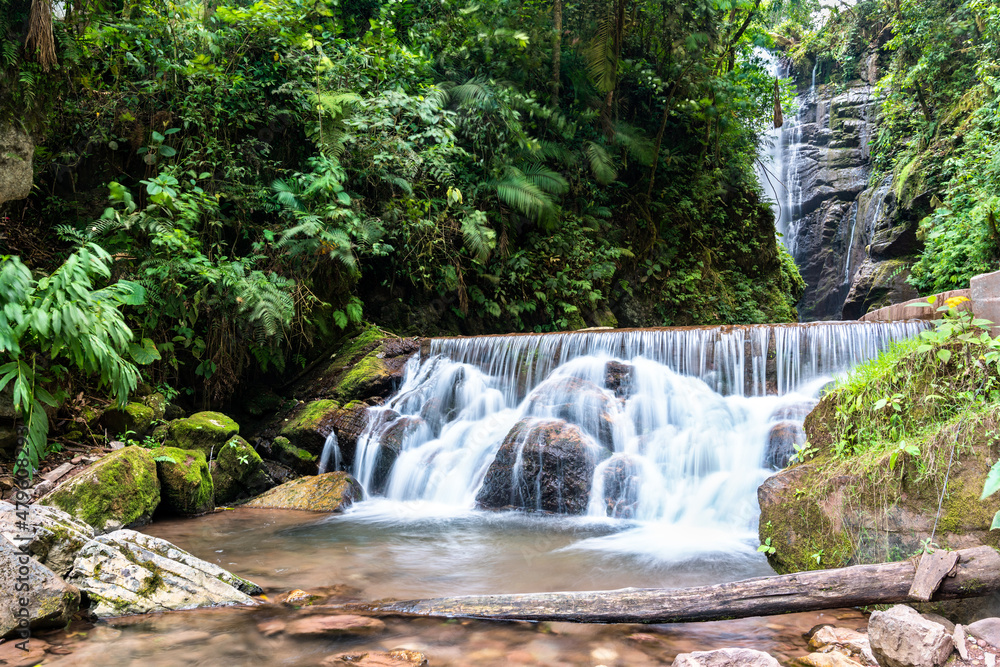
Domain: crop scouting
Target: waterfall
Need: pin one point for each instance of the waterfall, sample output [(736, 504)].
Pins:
[(660, 425), (850, 243)]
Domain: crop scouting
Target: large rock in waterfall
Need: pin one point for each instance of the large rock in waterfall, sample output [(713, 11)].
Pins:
[(580, 402), (120, 490), (782, 440), (310, 424), (622, 478), (329, 492), (543, 464), (390, 430)]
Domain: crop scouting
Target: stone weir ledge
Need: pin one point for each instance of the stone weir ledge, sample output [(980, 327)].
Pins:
[(983, 297), (750, 359)]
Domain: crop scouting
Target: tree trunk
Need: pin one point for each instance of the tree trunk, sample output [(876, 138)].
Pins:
[(557, 11), (977, 573)]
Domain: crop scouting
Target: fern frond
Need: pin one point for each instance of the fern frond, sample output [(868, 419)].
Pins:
[(601, 164), (546, 179), (639, 146), (287, 194), (600, 57), (525, 196), (479, 238)]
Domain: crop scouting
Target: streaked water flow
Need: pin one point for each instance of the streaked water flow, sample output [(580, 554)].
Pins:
[(670, 426)]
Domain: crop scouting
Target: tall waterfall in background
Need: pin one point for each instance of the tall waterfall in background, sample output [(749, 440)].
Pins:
[(667, 427)]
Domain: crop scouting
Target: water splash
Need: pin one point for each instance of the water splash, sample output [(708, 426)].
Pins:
[(671, 425)]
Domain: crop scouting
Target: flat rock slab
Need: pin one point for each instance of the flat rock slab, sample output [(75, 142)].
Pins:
[(54, 535), (726, 657), (329, 492), (395, 658), (126, 572)]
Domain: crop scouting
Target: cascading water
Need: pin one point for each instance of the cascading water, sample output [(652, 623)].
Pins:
[(666, 428)]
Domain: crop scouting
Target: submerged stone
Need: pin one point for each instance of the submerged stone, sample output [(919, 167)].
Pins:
[(395, 658)]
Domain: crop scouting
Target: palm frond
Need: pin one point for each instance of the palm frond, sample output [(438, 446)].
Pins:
[(638, 145), (600, 56), (601, 164), (480, 239)]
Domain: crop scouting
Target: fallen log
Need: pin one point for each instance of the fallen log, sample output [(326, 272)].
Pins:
[(977, 573)]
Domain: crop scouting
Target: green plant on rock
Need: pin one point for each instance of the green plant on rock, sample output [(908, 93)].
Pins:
[(60, 323)]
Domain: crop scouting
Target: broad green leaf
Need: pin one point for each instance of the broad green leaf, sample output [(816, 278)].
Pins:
[(992, 483), (144, 352), (996, 521), (944, 355)]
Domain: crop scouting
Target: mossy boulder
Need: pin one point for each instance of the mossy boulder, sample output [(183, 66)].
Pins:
[(310, 424), (206, 431), (299, 460), (156, 402), (329, 492), (134, 417), (120, 490), (185, 482), (368, 367), (238, 472), (870, 509)]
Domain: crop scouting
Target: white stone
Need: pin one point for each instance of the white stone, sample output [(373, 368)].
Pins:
[(901, 637)]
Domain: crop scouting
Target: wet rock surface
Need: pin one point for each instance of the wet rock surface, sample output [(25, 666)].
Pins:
[(542, 465), (782, 440), (329, 492), (621, 478)]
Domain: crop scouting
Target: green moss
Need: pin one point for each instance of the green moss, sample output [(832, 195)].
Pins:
[(157, 403), (370, 368), (330, 492), (134, 417), (186, 482), (295, 458), (304, 428), (206, 431), (121, 489), (235, 470)]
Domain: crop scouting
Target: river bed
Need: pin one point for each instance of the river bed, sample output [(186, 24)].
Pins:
[(407, 550)]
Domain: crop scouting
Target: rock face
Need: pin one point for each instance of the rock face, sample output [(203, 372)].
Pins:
[(543, 464), (390, 444), (901, 637), (126, 572), (122, 489), (185, 481), (56, 537), (50, 601), (296, 458), (310, 425), (726, 657), (852, 242), (16, 173), (329, 492), (206, 431)]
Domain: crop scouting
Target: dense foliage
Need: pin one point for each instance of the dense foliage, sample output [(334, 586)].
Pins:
[(272, 172)]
